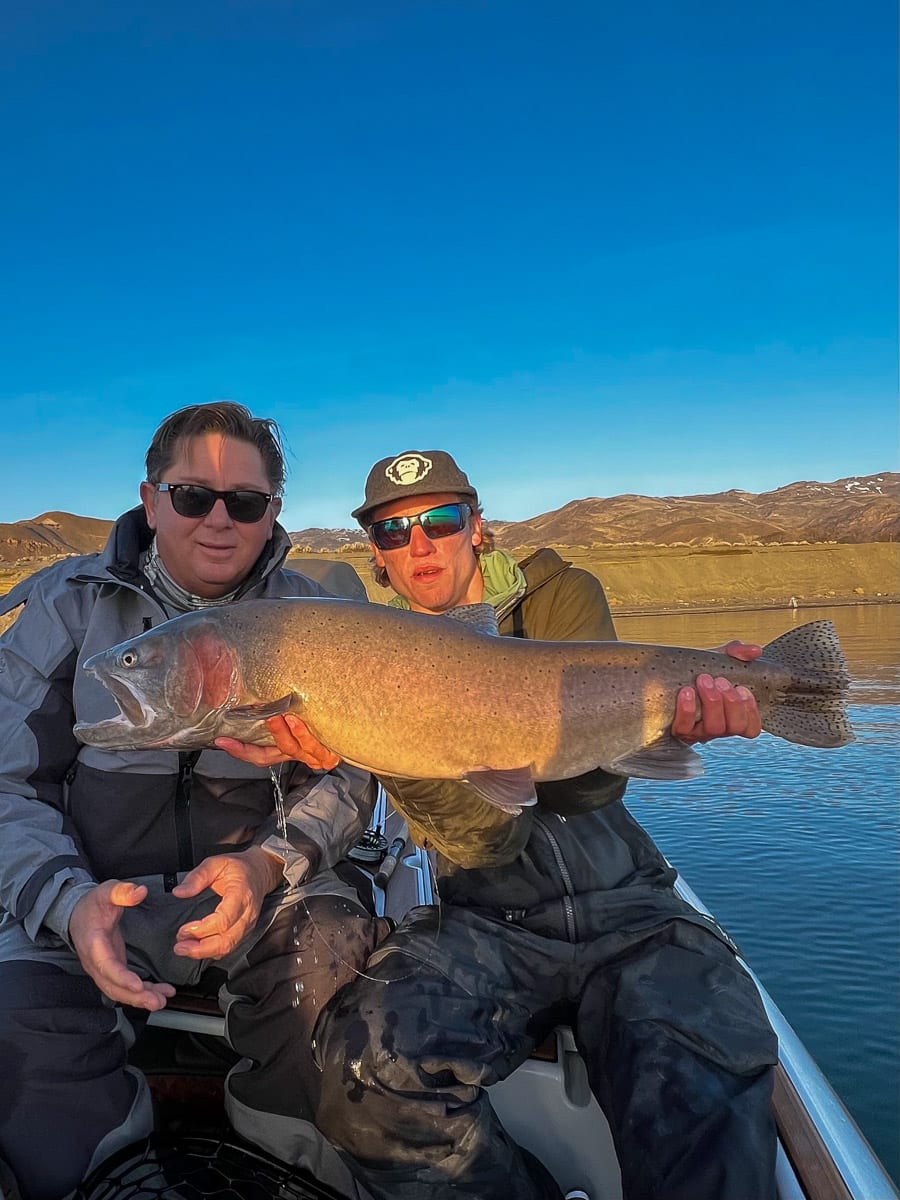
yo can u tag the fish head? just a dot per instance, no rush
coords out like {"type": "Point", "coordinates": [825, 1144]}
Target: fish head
{"type": "Point", "coordinates": [171, 685]}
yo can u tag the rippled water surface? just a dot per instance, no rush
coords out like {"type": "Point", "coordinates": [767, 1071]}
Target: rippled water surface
{"type": "Point", "coordinates": [796, 852]}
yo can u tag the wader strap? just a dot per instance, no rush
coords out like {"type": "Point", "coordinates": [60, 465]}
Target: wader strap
{"type": "Point", "coordinates": [518, 629]}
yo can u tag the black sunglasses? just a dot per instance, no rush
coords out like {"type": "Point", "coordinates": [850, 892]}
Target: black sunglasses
{"type": "Point", "coordinates": [194, 500]}
{"type": "Point", "coordinates": [394, 532]}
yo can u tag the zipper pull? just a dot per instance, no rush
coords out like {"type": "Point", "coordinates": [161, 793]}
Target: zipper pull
{"type": "Point", "coordinates": [187, 760]}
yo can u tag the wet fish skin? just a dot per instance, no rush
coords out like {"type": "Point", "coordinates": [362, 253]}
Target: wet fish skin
{"type": "Point", "coordinates": [402, 693]}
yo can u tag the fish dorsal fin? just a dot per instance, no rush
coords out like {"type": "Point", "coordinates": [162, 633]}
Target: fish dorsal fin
{"type": "Point", "coordinates": [262, 711]}
{"type": "Point", "coordinates": [666, 758]}
{"type": "Point", "coordinates": [482, 617]}
{"type": "Point", "coordinates": [510, 790]}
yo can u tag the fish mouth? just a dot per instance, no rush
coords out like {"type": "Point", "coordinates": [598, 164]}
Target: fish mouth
{"type": "Point", "coordinates": [117, 732]}
{"type": "Point", "coordinates": [130, 707]}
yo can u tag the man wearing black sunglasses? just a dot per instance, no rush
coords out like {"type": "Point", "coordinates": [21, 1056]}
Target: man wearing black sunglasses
{"type": "Point", "coordinates": [564, 914]}
{"type": "Point", "coordinates": [125, 874]}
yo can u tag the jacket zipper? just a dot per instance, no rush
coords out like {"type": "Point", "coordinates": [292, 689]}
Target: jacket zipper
{"type": "Point", "coordinates": [184, 834]}
{"type": "Point", "coordinates": [568, 905]}
{"type": "Point", "coordinates": [67, 788]}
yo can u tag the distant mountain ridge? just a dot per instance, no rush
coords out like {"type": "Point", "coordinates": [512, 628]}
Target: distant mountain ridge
{"type": "Point", "coordinates": [858, 508]}
{"type": "Point", "coordinates": [854, 509]}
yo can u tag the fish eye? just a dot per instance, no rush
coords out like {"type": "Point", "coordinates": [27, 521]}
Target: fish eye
{"type": "Point", "coordinates": [129, 658]}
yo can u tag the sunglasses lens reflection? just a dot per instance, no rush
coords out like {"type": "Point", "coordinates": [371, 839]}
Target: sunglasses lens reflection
{"type": "Point", "coordinates": [394, 533]}
{"type": "Point", "coordinates": [442, 522]}
{"type": "Point", "coordinates": [391, 534]}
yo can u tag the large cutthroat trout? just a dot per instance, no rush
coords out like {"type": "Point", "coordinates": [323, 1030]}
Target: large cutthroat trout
{"type": "Point", "coordinates": [401, 693]}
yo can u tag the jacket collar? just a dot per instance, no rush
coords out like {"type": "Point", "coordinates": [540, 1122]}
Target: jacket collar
{"type": "Point", "coordinates": [130, 536]}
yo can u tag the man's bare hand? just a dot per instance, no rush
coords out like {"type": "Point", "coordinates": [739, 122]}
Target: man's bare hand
{"type": "Point", "coordinates": [94, 930]}
{"type": "Point", "coordinates": [293, 743]}
{"type": "Point", "coordinates": [715, 708]}
{"type": "Point", "coordinates": [243, 881]}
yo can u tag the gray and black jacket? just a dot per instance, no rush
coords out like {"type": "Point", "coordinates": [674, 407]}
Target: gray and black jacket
{"type": "Point", "coordinates": [73, 815]}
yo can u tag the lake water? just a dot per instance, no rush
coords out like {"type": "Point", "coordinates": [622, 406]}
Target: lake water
{"type": "Point", "coordinates": [795, 850]}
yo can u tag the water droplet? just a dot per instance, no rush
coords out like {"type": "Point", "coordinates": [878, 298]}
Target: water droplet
{"type": "Point", "coordinates": [279, 802]}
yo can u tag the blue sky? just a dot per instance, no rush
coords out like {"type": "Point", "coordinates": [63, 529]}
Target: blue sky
{"type": "Point", "coordinates": [588, 248]}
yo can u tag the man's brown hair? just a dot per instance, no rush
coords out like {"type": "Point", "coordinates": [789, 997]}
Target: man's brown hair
{"type": "Point", "coordinates": [225, 417]}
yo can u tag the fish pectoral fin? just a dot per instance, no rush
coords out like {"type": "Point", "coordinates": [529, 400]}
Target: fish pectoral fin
{"type": "Point", "coordinates": [261, 712]}
{"type": "Point", "coordinates": [510, 790]}
{"type": "Point", "coordinates": [666, 758]}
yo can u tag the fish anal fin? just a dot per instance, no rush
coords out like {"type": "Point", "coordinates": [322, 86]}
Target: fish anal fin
{"type": "Point", "coordinates": [264, 710]}
{"type": "Point", "coordinates": [510, 790]}
{"type": "Point", "coordinates": [666, 758]}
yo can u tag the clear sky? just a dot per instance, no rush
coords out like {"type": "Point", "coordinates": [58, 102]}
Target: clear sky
{"type": "Point", "coordinates": [589, 248]}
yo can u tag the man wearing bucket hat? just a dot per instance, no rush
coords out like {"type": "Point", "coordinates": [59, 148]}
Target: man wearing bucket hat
{"type": "Point", "coordinates": [564, 914]}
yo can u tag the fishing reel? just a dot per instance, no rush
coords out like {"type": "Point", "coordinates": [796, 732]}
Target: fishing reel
{"type": "Point", "coordinates": [371, 848]}
{"type": "Point", "coordinates": [195, 1166]}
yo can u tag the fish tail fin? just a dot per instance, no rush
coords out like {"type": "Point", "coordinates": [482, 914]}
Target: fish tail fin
{"type": "Point", "coordinates": [812, 711]}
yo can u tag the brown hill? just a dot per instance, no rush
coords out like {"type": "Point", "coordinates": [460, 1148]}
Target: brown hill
{"type": "Point", "coordinates": [51, 535]}
{"type": "Point", "coordinates": [856, 509]}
